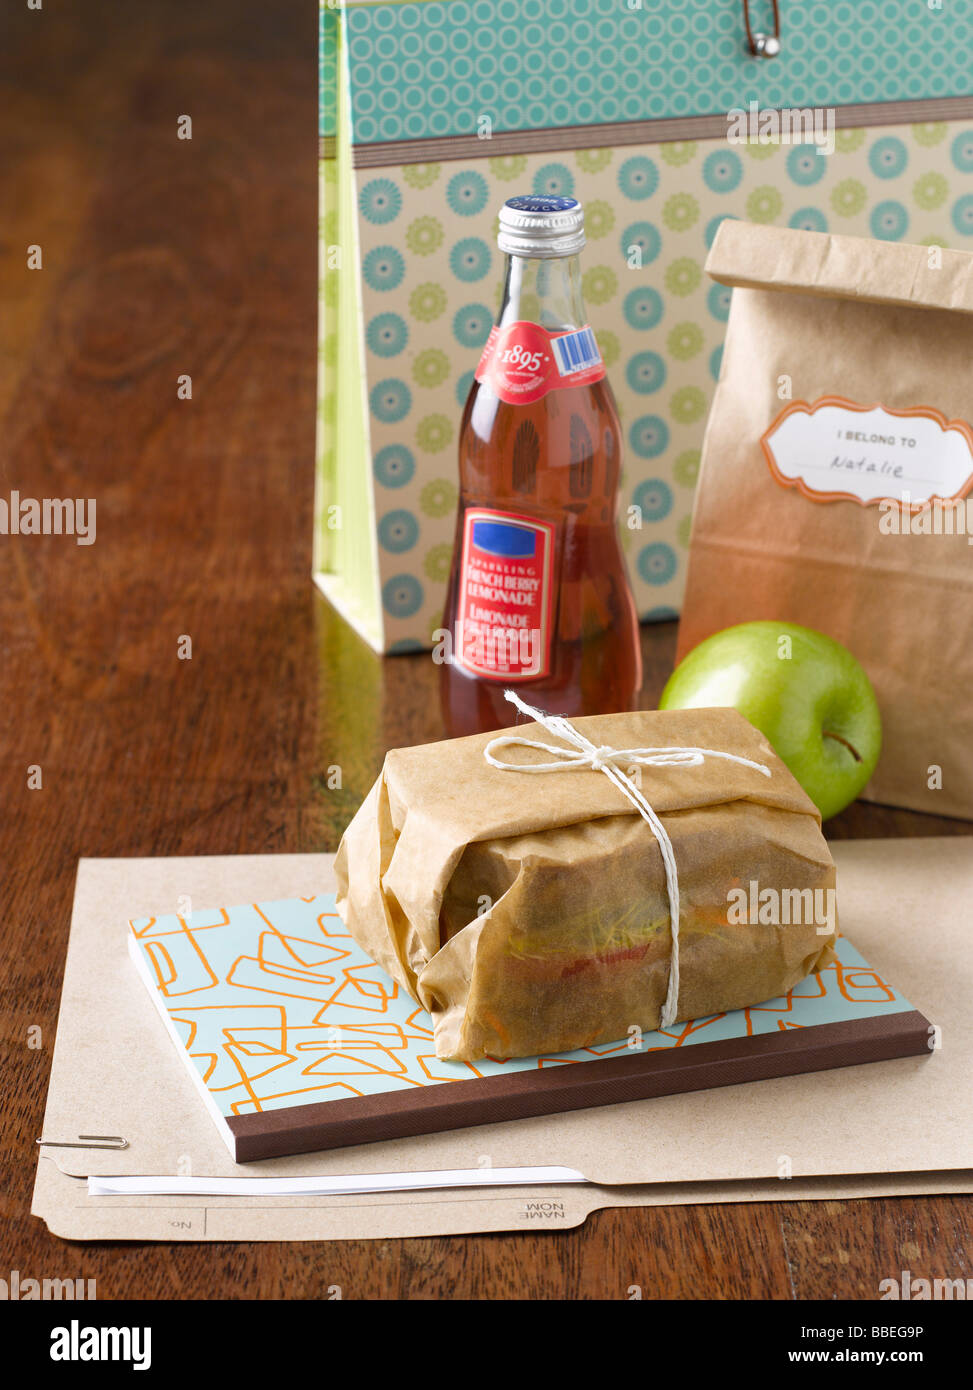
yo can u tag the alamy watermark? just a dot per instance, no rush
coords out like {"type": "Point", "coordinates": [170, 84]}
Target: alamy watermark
{"type": "Point", "coordinates": [23, 1288]}
{"type": "Point", "coordinates": [903, 517]}
{"type": "Point", "coordinates": [920, 1290]}
{"type": "Point", "coordinates": [806, 125]}
{"type": "Point", "coordinates": [49, 516]}
{"type": "Point", "coordinates": [489, 647]}
{"type": "Point", "coordinates": [782, 907]}
{"type": "Point", "coordinates": [82, 1343]}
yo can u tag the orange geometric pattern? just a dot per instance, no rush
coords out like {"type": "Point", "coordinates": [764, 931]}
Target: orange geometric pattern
{"type": "Point", "coordinates": [275, 1005]}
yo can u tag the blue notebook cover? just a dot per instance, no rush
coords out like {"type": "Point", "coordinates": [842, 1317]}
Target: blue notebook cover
{"type": "Point", "coordinates": [297, 1040]}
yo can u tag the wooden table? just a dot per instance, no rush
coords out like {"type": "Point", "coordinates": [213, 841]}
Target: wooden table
{"type": "Point", "coordinates": [163, 257]}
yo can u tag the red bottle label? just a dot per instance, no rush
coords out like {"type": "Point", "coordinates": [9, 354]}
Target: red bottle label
{"type": "Point", "coordinates": [522, 361]}
{"type": "Point", "coordinates": [506, 596]}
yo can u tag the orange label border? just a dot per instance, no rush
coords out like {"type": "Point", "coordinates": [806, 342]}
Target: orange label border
{"type": "Point", "coordinates": [928, 412]}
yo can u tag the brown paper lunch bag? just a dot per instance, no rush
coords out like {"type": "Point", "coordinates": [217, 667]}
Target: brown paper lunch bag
{"type": "Point", "coordinates": [833, 484]}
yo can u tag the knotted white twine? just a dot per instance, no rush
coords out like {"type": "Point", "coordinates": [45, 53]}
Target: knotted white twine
{"type": "Point", "coordinates": [607, 760]}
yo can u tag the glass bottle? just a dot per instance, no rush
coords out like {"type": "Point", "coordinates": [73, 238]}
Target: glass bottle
{"type": "Point", "coordinates": [538, 597]}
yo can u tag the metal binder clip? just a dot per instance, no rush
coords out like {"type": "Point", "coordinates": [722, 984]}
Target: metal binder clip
{"type": "Point", "coordinates": [87, 1141]}
{"type": "Point", "coordinates": [766, 45]}
{"type": "Point", "coordinates": [763, 45]}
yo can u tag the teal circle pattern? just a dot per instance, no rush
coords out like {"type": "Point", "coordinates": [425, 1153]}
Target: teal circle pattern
{"type": "Point", "coordinates": [638, 177]}
{"type": "Point", "coordinates": [390, 400]}
{"type": "Point", "coordinates": [383, 268]}
{"type": "Point", "coordinates": [713, 226]}
{"type": "Point", "coordinates": [859, 183]}
{"type": "Point", "coordinates": [464, 386]}
{"type": "Point", "coordinates": [472, 324]}
{"type": "Point", "coordinates": [654, 499]}
{"type": "Point", "coordinates": [657, 563]}
{"type": "Point", "coordinates": [963, 215]}
{"type": "Point", "coordinates": [722, 171]}
{"type": "Point", "coordinates": [470, 259]}
{"type": "Point", "coordinates": [435, 69]}
{"type": "Point", "coordinates": [646, 372]}
{"type": "Point", "coordinates": [402, 596]}
{"type": "Point", "coordinates": [380, 201]}
{"type": "Point", "coordinates": [718, 302]}
{"type": "Point", "coordinates": [889, 221]}
{"type": "Point", "coordinates": [649, 436]}
{"type": "Point", "coordinates": [961, 151]}
{"type": "Point", "coordinates": [394, 466]}
{"type": "Point", "coordinates": [643, 308]}
{"type": "Point", "coordinates": [645, 236]}
{"type": "Point", "coordinates": [806, 165]}
{"type": "Point", "coordinates": [554, 180]}
{"type": "Point", "coordinates": [398, 531]}
{"type": "Point", "coordinates": [808, 220]}
{"type": "Point", "coordinates": [467, 193]}
{"type": "Point", "coordinates": [888, 157]}
{"type": "Point", "coordinates": [387, 335]}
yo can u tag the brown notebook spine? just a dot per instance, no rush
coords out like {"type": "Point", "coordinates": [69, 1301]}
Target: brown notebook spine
{"type": "Point", "coordinates": [576, 1086]}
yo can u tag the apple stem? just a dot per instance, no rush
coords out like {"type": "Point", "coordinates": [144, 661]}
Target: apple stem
{"type": "Point", "coordinates": [851, 748]}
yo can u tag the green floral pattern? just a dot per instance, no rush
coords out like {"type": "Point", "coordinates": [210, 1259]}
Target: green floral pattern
{"type": "Point", "coordinates": [660, 324]}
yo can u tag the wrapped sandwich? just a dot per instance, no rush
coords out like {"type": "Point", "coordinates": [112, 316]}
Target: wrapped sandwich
{"type": "Point", "coordinates": [522, 897]}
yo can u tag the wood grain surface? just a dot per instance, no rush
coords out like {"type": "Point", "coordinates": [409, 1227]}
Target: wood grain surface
{"type": "Point", "coordinates": [163, 257]}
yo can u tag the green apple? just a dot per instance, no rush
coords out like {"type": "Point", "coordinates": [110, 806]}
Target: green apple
{"type": "Point", "coordinates": [804, 691]}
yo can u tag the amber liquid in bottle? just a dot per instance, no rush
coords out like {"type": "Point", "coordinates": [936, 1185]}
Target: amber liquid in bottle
{"type": "Point", "coordinates": [556, 459]}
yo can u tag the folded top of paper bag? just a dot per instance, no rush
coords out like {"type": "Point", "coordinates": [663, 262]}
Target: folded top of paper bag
{"type": "Point", "coordinates": [842, 267]}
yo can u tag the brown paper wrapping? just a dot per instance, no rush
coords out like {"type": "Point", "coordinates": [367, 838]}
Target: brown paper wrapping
{"type": "Point", "coordinates": [871, 322]}
{"type": "Point", "coordinates": [528, 913]}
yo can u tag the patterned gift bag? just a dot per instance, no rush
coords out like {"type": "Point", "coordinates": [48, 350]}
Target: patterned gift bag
{"type": "Point", "coordinates": [662, 121]}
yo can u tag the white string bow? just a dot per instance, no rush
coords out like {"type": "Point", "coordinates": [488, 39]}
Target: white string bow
{"type": "Point", "coordinates": [585, 754]}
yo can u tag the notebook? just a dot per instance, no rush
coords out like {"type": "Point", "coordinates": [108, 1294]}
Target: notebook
{"type": "Point", "coordinates": [297, 1041]}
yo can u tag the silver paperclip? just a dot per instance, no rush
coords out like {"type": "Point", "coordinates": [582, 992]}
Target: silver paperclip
{"type": "Point", "coordinates": [87, 1141]}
